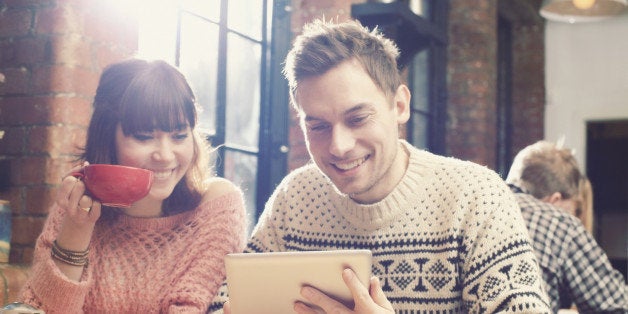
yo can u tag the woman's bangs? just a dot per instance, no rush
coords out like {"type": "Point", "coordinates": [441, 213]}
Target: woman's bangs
{"type": "Point", "coordinates": [153, 108]}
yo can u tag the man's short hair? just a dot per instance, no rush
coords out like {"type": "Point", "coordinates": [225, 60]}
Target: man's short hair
{"type": "Point", "coordinates": [544, 168]}
{"type": "Point", "coordinates": [324, 45]}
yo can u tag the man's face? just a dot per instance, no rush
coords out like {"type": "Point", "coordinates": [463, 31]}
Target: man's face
{"type": "Point", "coordinates": [351, 130]}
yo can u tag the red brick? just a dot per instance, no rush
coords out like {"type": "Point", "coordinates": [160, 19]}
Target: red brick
{"type": "Point", "coordinates": [106, 56]}
{"type": "Point", "coordinates": [14, 196]}
{"type": "Point", "coordinates": [71, 50]}
{"type": "Point", "coordinates": [60, 19]}
{"type": "Point", "coordinates": [22, 111]}
{"type": "Point", "coordinates": [64, 79]}
{"type": "Point", "coordinates": [27, 255]}
{"type": "Point", "coordinates": [55, 140]}
{"type": "Point", "coordinates": [12, 143]}
{"type": "Point", "coordinates": [25, 230]}
{"type": "Point", "coordinates": [16, 255]}
{"type": "Point", "coordinates": [26, 50]}
{"type": "Point", "coordinates": [69, 110]}
{"type": "Point", "coordinates": [28, 170]}
{"type": "Point", "coordinates": [39, 199]}
{"type": "Point", "coordinates": [28, 3]}
{"type": "Point", "coordinates": [16, 81]}
{"type": "Point", "coordinates": [57, 168]}
{"type": "Point", "coordinates": [15, 22]}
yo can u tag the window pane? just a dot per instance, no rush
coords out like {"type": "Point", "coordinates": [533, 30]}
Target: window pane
{"type": "Point", "coordinates": [241, 169]}
{"type": "Point", "coordinates": [157, 31]}
{"type": "Point", "coordinates": [246, 16]}
{"type": "Point", "coordinates": [243, 92]}
{"type": "Point", "coordinates": [198, 61]}
{"type": "Point", "coordinates": [209, 9]}
{"type": "Point", "coordinates": [420, 82]}
{"type": "Point", "coordinates": [420, 130]}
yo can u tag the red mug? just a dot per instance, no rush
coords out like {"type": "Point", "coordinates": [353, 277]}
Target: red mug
{"type": "Point", "coordinates": [115, 185]}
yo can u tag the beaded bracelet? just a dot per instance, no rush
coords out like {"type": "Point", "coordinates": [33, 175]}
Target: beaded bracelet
{"type": "Point", "coordinates": [74, 258]}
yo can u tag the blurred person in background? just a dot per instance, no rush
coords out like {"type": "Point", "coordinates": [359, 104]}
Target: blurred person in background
{"type": "Point", "coordinates": [551, 191]}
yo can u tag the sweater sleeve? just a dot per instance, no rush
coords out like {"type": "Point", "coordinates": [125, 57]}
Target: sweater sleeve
{"type": "Point", "coordinates": [219, 231]}
{"type": "Point", "coordinates": [47, 288]}
{"type": "Point", "coordinates": [501, 273]}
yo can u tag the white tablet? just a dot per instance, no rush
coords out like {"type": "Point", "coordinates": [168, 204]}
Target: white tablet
{"type": "Point", "coordinates": [271, 282]}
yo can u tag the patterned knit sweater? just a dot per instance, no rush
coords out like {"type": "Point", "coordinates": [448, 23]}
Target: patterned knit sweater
{"type": "Point", "coordinates": [170, 264]}
{"type": "Point", "coordinates": [449, 239]}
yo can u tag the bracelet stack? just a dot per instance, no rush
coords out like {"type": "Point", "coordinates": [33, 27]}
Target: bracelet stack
{"type": "Point", "coordinates": [74, 258]}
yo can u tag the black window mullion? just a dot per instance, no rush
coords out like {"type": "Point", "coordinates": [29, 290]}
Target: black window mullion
{"type": "Point", "coordinates": [221, 91]}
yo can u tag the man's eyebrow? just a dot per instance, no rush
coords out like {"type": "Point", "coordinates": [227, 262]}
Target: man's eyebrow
{"type": "Point", "coordinates": [357, 107]}
{"type": "Point", "coordinates": [349, 111]}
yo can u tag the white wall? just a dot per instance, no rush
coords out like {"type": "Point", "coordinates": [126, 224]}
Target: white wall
{"type": "Point", "coordinates": [586, 76]}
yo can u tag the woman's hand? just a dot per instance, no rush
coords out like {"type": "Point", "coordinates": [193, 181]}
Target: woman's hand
{"type": "Point", "coordinates": [372, 300]}
{"type": "Point", "coordinates": [80, 209]}
{"type": "Point", "coordinates": [81, 214]}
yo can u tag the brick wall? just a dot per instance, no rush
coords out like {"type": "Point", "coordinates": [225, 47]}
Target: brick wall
{"type": "Point", "coordinates": [472, 80]}
{"type": "Point", "coordinates": [52, 52]}
{"type": "Point", "coordinates": [472, 77]}
{"type": "Point", "coordinates": [471, 126]}
{"type": "Point", "coordinates": [51, 55]}
{"type": "Point", "coordinates": [528, 95]}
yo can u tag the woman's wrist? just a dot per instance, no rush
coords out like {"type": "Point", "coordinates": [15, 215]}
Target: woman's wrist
{"type": "Point", "coordinates": [70, 257]}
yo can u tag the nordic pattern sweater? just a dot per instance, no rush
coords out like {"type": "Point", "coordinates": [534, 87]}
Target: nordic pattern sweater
{"type": "Point", "coordinates": [449, 239]}
{"type": "Point", "coordinates": [171, 264]}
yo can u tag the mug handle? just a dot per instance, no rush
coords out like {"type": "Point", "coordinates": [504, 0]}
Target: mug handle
{"type": "Point", "coordinates": [78, 174]}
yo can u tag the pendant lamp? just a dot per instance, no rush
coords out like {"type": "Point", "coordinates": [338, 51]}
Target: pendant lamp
{"type": "Point", "coordinates": [574, 11]}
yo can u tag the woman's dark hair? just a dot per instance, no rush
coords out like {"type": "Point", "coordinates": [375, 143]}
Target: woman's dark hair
{"type": "Point", "coordinates": [143, 96]}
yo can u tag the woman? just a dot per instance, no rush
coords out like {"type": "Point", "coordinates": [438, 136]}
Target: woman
{"type": "Point", "coordinates": [164, 254]}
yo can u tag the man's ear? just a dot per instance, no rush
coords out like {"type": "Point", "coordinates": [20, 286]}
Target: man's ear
{"type": "Point", "coordinates": [553, 198]}
{"type": "Point", "coordinates": [402, 104]}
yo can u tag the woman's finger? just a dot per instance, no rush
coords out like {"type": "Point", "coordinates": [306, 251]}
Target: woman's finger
{"type": "Point", "coordinates": [85, 203]}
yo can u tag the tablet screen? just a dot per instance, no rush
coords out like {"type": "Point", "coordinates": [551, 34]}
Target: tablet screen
{"type": "Point", "coordinates": [271, 282]}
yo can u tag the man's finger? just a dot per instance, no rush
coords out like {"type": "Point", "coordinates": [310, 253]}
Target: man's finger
{"type": "Point", "coordinates": [226, 308]}
{"type": "Point", "coordinates": [318, 298]}
{"type": "Point", "coordinates": [377, 294]}
{"type": "Point", "coordinates": [359, 292]}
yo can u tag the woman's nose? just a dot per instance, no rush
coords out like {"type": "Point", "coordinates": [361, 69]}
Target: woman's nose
{"type": "Point", "coordinates": [163, 150]}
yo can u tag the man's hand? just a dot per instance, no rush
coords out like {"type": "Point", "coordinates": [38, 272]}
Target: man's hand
{"type": "Point", "coordinates": [369, 301]}
{"type": "Point", "coordinates": [226, 308]}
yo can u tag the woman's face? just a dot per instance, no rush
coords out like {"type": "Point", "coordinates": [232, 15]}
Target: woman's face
{"type": "Point", "coordinates": [167, 154]}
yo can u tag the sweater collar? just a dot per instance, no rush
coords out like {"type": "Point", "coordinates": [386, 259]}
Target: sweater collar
{"type": "Point", "coordinates": [404, 196]}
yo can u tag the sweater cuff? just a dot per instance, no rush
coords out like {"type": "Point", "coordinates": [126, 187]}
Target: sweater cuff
{"type": "Point", "coordinates": [53, 287]}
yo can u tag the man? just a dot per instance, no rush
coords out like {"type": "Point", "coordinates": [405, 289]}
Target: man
{"type": "Point", "coordinates": [546, 181]}
{"type": "Point", "coordinates": [446, 235]}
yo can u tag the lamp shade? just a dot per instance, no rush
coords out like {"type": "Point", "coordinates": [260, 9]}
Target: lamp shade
{"type": "Point", "coordinates": [574, 11]}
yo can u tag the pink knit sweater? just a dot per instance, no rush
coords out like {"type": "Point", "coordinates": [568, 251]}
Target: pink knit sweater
{"type": "Point", "coordinates": [142, 265]}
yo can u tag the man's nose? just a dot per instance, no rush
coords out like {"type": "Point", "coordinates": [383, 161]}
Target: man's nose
{"type": "Point", "coordinates": [342, 141]}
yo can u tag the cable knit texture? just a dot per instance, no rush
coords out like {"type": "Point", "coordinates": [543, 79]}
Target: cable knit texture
{"type": "Point", "coordinates": [171, 264]}
{"type": "Point", "coordinates": [449, 239]}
